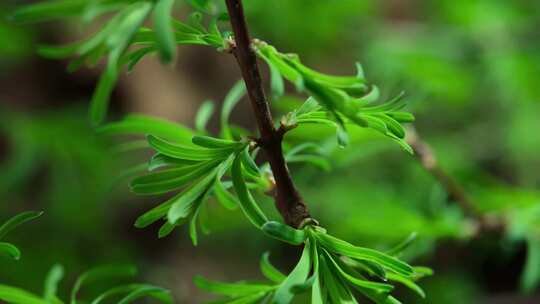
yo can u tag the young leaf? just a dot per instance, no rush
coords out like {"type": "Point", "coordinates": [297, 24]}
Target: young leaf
{"type": "Point", "coordinates": [226, 199]}
{"type": "Point", "coordinates": [230, 101]}
{"type": "Point", "coordinates": [146, 290]}
{"type": "Point", "coordinates": [159, 161]}
{"type": "Point", "coordinates": [249, 163]}
{"type": "Point", "coordinates": [203, 115]}
{"type": "Point", "coordinates": [337, 291]}
{"type": "Point", "coordinates": [98, 274]}
{"type": "Point", "coordinates": [138, 124]}
{"type": "Point", "coordinates": [230, 289]}
{"type": "Point", "coordinates": [276, 82]}
{"type": "Point", "coordinates": [409, 283]}
{"type": "Point", "coordinates": [298, 275]}
{"type": "Point", "coordinates": [247, 203]}
{"type": "Point", "coordinates": [14, 295]}
{"type": "Point", "coordinates": [156, 213]}
{"type": "Point", "coordinates": [118, 42]}
{"type": "Point", "coordinates": [156, 292]}
{"type": "Point", "coordinates": [10, 251]}
{"type": "Point", "coordinates": [341, 247]}
{"type": "Point", "coordinates": [164, 30]}
{"type": "Point", "coordinates": [531, 273]}
{"type": "Point", "coordinates": [43, 11]}
{"type": "Point", "coordinates": [187, 153]}
{"type": "Point", "coordinates": [359, 282]}
{"type": "Point", "coordinates": [403, 245]}
{"type": "Point", "coordinates": [269, 271]}
{"type": "Point", "coordinates": [216, 143]}
{"type": "Point", "coordinates": [54, 277]}
{"type": "Point", "coordinates": [316, 289]}
{"type": "Point", "coordinates": [284, 233]}
{"type": "Point", "coordinates": [17, 220]}
{"type": "Point", "coordinates": [185, 204]}
{"type": "Point", "coordinates": [167, 180]}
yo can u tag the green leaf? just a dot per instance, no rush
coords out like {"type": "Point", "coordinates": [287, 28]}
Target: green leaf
{"type": "Point", "coordinates": [17, 220]}
{"type": "Point", "coordinates": [148, 291]}
{"type": "Point", "coordinates": [216, 143]}
{"type": "Point", "coordinates": [167, 228]}
{"type": "Point", "coordinates": [269, 271]}
{"type": "Point", "coordinates": [185, 205]}
{"type": "Point", "coordinates": [370, 267]}
{"type": "Point", "coordinates": [359, 282]}
{"type": "Point", "coordinates": [276, 82]}
{"type": "Point", "coordinates": [203, 115]}
{"type": "Point", "coordinates": [249, 299]}
{"type": "Point", "coordinates": [403, 245]}
{"type": "Point", "coordinates": [284, 233]}
{"type": "Point", "coordinates": [531, 273]}
{"type": "Point", "coordinates": [226, 199]}
{"type": "Point", "coordinates": [308, 106]}
{"type": "Point", "coordinates": [298, 275]}
{"type": "Point", "coordinates": [230, 101]}
{"type": "Point", "coordinates": [247, 203]}
{"type": "Point", "coordinates": [344, 248]}
{"type": "Point", "coordinates": [159, 161]}
{"type": "Point", "coordinates": [187, 153]}
{"type": "Point", "coordinates": [164, 31]}
{"type": "Point", "coordinates": [105, 86]}
{"type": "Point", "coordinates": [138, 124]}
{"type": "Point", "coordinates": [118, 42]}
{"type": "Point", "coordinates": [10, 251]}
{"type": "Point", "coordinates": [48, 10]}
{"type": "Point", "coordinates": [248, 163]}
{"type": "Point", "coordinates": [134, 289]}
{"type": "Point", "coordinates": [195, 219]}
{"type": "Point", "coordinates": [14, 295]}
{"type": "Point", "coordinates": [134, 57]}
{"type": "Point", "coordinates": [403, 117]}
{"type": "Point", "coordinates": [316, 289]}
{"type": "Point", "coordinates": [337, 291]}
{"type": "Point", "coordinates": [408, 283]}
{"type": "Point", "coordinates": [52, 280]}
{"type": "Point", "coordinates": [99, 274]}
{"type": "Point", "coordinates": [230, 289]}
{"type": "Point", "coordinates": [156, 213]}
{"type": "Point", "coordinates": [171, 179]}
{"type": "Point", "coordinates": [316, 160]}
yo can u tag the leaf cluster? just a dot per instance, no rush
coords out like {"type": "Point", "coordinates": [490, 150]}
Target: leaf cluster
{"type": "Point", "coordinates": [122, 294]}
{"type": "Point", "coordinates": [123, 40]}
{"type": "Point", "coordinates": [333, 270]}
{"type": "Point", "coordinates": [336, 100]}
{"type": "Point", "coordinates": [195, 168]}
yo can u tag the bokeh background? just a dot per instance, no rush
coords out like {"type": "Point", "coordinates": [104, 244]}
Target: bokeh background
{"type": "Point", "coordinates": [471, 73]}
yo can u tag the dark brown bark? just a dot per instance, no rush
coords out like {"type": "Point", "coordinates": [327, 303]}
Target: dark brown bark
{"type": "Point", "coordinates": [288, 201]}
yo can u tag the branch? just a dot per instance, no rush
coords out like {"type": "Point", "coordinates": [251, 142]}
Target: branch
{"type": "Point", "coordinates": [288, 201]}
{"type": "Point", "coordinates": [424, 154]}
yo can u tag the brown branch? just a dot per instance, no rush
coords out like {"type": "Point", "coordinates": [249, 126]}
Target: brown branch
{"type": "Point", "coordinates": [288, 201]}
{"type": "Point", "coordinates": [424, 154]}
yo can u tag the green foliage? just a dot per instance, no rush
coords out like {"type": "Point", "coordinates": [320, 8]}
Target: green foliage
{"type": "Point", "coordinates": [123, 40]}
{"type": "Point", "coordinates": [329, 267]}
{"type": "Point", "coordinates": [199, 169]}
{"type": "Point", "coordinates": [343, 99]}
{"type": "Point", "coordinates": [7, 249]}
{"type": "Point", "coordinates": [193, 165]}
{"type": "Point", "coordinates": [122, 294]}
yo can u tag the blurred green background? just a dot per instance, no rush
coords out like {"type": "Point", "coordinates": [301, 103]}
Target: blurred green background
{"type": "Point", "coordinates": [471, 73]}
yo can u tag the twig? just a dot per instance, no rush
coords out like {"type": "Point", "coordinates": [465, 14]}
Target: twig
{"type": "Point", "coordinates": [424, 154]}
{"type": "Point", "coordinates": [288, 200]}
